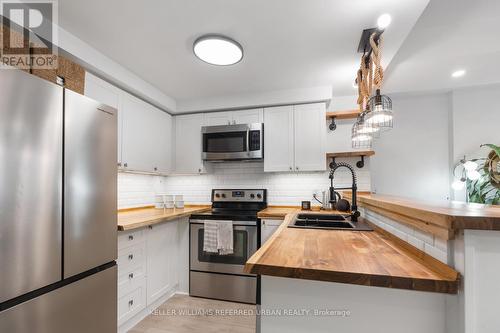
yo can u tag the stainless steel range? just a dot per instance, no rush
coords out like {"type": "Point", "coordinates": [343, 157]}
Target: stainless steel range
{"type": "Point", "coordinates": [221, 276]}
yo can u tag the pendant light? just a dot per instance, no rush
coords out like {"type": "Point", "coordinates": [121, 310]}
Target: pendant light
{"type": "Point", "coordinates": [362, 133]}
{"type": "Point", "coordinates": [381, 111]}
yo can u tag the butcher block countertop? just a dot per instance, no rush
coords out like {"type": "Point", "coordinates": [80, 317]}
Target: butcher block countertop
{"type": "Point", "coordinates": [453, 215]}
{"type": "Point", "coordinates": [280, 212]}
{"type": "Point", "coordinates": [370, 258]}
{"type": "Point", "coordinates": [134, 218]}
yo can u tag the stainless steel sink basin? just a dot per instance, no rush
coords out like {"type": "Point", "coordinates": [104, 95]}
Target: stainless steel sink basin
{"type": "Point", "coordinates": [328, 221]}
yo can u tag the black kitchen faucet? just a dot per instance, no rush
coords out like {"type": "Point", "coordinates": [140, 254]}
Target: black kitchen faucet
{"type": "Point", "coordinates": [354, 188]}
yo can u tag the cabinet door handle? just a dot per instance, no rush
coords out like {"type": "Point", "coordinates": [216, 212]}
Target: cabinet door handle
{"type": "Point", "coordinates": [125, 165]}
{"type": "Point", "coordinates": [297, 168]}
{"type": "Point", "coordinates": [150, 227]}
{"type": "Point", "coordinates": [199, 170]}
{"type": "Point", "coordinates": [131, 237]}
{"type": "Point", "coordinates": [234, 122]}
{"type": "Point", "coordinates": [130, 256]}
{"type": "Point", "coordinates": [131, 302]}
{"type": "Point", "coordinates": [155, 168]}
{"type": "Point", "coordinates": [291, 168]}
{"type": "Point", "coordinates": [119, 164]}
{"type": "Point", "coordinates": [131, 276]}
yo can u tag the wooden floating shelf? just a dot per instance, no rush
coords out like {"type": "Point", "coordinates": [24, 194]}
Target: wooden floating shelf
{"type": "Point", "coordinates": [361, 153]}
{"type": "Point", "coordinates": [365, 153]}
{"type": "Point", "coordinates": [345, 114]}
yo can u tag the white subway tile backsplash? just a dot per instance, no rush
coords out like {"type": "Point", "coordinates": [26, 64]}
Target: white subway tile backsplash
{"type": "Point", "coordinates": [283, 188]}
{"type": "Point", "coordinates": [423, 241]}
{"type": "Point", "coordinates": [424, 236]}
{"type": "Point", "coordinates": [436, 253]}
{"type": "Point", "coordinates": [135, 190]}
{"type": "Point", "coordinates": [419, 244]}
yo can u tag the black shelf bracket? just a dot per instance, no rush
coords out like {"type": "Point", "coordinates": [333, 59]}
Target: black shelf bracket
{"type": "Point", "coordinates": [360, 164]}
{"type": "Point", "coordinates": [333, 125]}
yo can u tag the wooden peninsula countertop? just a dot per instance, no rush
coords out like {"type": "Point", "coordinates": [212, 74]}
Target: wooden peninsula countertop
{"type": "Point", "coordinates": [370, 258]}
{"type": "Point", "coordinates": [134, 218]}
{"type": "Point", "coordinates": [443, 219]}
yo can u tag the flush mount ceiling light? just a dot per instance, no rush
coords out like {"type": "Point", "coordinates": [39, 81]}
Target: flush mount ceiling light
{"type": "Point", "coordinates": [458, 73]}
{"type": "Point", "coordinates": [218, 50]}
{"type": "Point", "coordinates": [383, 21]}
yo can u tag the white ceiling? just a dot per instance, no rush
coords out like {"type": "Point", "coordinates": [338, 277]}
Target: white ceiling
{"type": "Point", "coordinates": [288, 44]}
{"type": "Point", "coordinates": [450, 35]}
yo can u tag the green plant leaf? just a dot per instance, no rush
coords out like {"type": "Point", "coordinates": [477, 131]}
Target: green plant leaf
{"type": "Point", "coordinates": [495, 148]}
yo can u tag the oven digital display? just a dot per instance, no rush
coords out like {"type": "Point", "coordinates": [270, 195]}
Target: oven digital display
{"type": "Point", "coordinates": [238, 194]}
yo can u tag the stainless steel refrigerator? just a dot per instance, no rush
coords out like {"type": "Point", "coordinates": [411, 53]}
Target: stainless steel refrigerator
{"type": "Point", "coordinates": [58, 233]}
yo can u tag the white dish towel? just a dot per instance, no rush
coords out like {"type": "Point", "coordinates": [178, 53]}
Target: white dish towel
{"type": "Point", "coordinates": [218, 237]}
{"type": "Point", "coordinates": [210, 236]}
{"type": "Point", "coordinates": [225, 237]}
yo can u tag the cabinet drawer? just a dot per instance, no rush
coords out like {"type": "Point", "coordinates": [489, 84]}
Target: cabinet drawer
{"type": "Point", "coordinates": [131, 256]}
{"type": "Point", "coordinates": [128, 238]}
{"type": "Point", "coordinates": [131, 303]}
{"type": "Point", "coordinates": [130, 279]}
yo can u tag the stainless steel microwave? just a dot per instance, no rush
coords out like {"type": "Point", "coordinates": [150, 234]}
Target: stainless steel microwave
{"type": "Point", "coordinates": [233, 142]}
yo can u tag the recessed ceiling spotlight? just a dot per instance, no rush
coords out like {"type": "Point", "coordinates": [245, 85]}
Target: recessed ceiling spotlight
{"type": "Point", "coordinates": [383, 21]}
{"type": "Point", "coordinates": [218, 50]}
{"type": "Point", "coordinates": [458, 73]}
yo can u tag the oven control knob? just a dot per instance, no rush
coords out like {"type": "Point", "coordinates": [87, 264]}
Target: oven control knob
{"type": "Point", "coordinates": [259, 195]}
{"type": "Point", "coordinates": [217, 195]}
{"type": "Point", "coordinates": [252, 196]}
{"type": "Point", "coordinates": [223, 195]}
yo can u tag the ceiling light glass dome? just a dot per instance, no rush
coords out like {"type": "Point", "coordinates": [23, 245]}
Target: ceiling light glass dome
{"type": "Point", "coordinates": [218, 50]}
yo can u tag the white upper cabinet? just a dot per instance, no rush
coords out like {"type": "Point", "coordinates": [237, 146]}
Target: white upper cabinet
{"type": "Point", "coordinates": [234, 117]}
{"type": "Point", "coordinates": [295, 138]}
{"type": "Point", "coordinates": [310, 137]}
{"type": "Point", "coordinates": [106, 93]}
{"type": "Point", "coordinates": [146, 137]}
{"type": "Point", "coordinates": [144, 132]}
{"type": "Point", "coordinates": [218, 118]}
{"type": "Point", "coordinates": [248, 116]}
{"type": "Point", "coordinates": [139, 138]}
{"type": "Point", "coordinates": [278, 139]}
{"type": "Point", "coordinates": [163, 146]}
{"type": "Point", "coordinates": [188, 144]}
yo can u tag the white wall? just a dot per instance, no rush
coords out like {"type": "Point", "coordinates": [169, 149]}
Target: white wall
{"type": "Point", "coordinates": [412, 159]}
{"type": "Point", "coordinates": [431, 133]}
{"type": "Point", "coordinates": [476, 119]}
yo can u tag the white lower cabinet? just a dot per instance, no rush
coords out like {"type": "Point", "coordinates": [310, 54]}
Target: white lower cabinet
{"type": "Point", "coordinates": [162, 252]}
{"type": "Point", "coordinates": [148, 267]}
{"type": "Point", "coordinates": [268, 228]}
{"type": "Point", "coordinates": [131, 302]}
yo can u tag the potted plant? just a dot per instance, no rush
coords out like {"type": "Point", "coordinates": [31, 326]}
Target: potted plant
{"type": "Point", "coordinates": [486, 189]}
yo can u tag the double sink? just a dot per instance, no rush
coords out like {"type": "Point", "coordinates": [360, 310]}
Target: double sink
{"type": "Point", "coordinates": [328, 221]}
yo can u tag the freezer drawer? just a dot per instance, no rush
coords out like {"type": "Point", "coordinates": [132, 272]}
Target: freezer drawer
{"type": "Point", "coordinates": [90, 184]}
{"type": "Point", "coordinates": [87, 305]}
{"type": "Point", "coordinates": [31, 130]}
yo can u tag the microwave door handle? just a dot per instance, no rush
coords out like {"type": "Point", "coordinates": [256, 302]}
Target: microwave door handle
{"type": "Point", "coordinates": [248, 140]}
